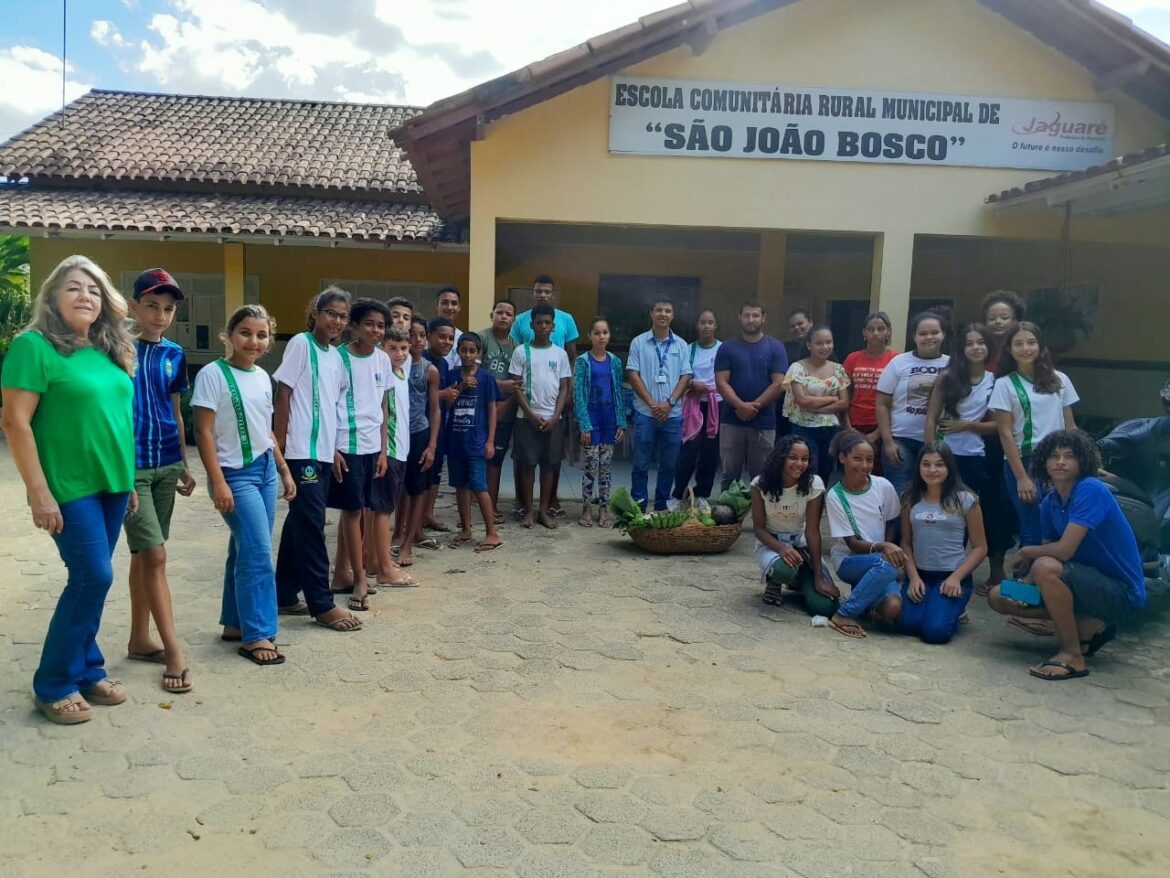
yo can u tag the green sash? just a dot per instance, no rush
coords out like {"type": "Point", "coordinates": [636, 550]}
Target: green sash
{"type": "Point", "coordinates": [1026, 406]}
{"type": "Point", "coordinates": [840, 492]}
{"type": "Point", "coordinates": [350, 407]}
{"type": "Point", "coordinates": [238, 406]}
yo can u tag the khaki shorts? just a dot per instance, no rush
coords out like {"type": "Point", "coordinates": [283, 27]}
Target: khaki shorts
{"type": "Point", "coordinates": [150, 526]}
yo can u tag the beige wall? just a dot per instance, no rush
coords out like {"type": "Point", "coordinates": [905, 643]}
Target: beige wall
{"type": "Point", "coordinates": [289, 276]}
{"type": "Point", "coordinates": [551, 162]}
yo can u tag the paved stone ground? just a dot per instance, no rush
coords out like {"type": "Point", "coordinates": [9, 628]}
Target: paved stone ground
{"type": "Point", "coordinates": [568, 707]}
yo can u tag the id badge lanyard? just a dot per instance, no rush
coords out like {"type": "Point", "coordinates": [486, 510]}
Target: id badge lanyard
{"type": "Point", "coordinates": [663, 354]}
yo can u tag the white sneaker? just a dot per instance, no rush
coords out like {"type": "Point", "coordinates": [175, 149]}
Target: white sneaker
{"type": "Point", "coordinates": [671, 505]}
{"type": "Point", "coordinates": [702, 505]}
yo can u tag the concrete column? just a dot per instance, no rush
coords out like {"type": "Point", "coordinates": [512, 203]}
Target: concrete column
{"type": "Point", "coordinates": [773, 267]}
{"type": "Point", "coordinates": [233, 278]}
{"type": "Point", "coordinates": [893, 263]}
{"type": "Point", "coordinates": [481, 270]}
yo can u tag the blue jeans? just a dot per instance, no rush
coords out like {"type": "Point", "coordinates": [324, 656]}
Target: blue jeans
{"type": "Point", "coordinates": [872, 578]}
{"type": "Point", "coordinates": [818, 440]}
{"type": "Point", "coordinates": [1028, 514]}
{"type": "Point", "coordinates": [659, 440]}
{"type": "Point", "coordinates": [900, 476]}
{"type": "Point", "coordinates": [249, 579]}
{"type": "Point", "coordinates": [936, 617]}
{"type": "Point", "coordinates": [71, 660]}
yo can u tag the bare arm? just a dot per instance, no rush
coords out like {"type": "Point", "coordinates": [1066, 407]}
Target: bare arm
{"type": "Point", "coordinates": [772, 392]}
{"type": "Point", "coordinates": [217, 486]}
{"type": "Point", "coordinates": [525, 408]}
{"type": "Point", "coordinates": [434, 417]}
{"type": "Point", "coordinates": [812, 537]}
{"type": "Point", "coordinates": [639, 388]}
{"type": "Point", "coordinates": [933, 413]}
{"type": "Point", "coordinates": [186, 480]}
{"type": "Point", "coordinates": [1062, 550]}
{"type": "Point", "coordinates": [1069, 422]}
{"type": "Point", "coordinates": [917, 588]}
{"type": "Point", "coordinates": [977, 537]}
{"type": "Point", "coordinates": [19, 408]}
{"type": "Point", "coordinates": [280, 417]}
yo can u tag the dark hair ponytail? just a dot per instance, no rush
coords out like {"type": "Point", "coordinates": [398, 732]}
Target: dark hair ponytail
{"type": "Point", "coordinates": [954, 384]}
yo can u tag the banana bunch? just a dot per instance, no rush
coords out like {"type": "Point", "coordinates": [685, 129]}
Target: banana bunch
{"type": "Point", "coordinates": [668, 520]}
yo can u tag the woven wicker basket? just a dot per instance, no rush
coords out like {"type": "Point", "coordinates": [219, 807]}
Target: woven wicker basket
{"type": "Point", "coordinates": [687, 540]}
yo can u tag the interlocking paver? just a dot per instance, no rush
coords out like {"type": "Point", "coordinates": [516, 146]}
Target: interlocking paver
{"type": "Point", "coordinates": [528, 718]}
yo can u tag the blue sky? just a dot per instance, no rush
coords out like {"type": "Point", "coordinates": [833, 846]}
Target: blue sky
{"type": "Point", "coordinates": [356, 50]}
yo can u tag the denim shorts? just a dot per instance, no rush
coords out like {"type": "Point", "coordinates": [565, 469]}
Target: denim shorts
{"type": "Point", "coordinates": [467, 473]}
{"type": "Point", "coordinates": [1097, 594]}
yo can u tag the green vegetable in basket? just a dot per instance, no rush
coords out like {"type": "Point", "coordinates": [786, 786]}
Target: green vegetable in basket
{"type": "Point", "coordinates": [738, 497]}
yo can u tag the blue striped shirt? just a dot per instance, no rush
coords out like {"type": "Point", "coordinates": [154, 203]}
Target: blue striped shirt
{"type": "Point", "coordinates": [162, 371]}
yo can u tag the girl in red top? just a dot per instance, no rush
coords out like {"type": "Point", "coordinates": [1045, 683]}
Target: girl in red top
{"type": "Point", "coordinates": [864, 368]}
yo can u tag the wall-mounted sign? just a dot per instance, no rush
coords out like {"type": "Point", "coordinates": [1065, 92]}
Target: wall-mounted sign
{"type": "Point", "coordinates": [654, 116]}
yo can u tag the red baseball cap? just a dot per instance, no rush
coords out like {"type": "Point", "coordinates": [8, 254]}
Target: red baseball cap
{"type": "Point", "coordinates": [156, 280]}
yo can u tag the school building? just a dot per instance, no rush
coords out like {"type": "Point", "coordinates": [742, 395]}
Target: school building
{"type": "Point", "coordinates": [837, 155]}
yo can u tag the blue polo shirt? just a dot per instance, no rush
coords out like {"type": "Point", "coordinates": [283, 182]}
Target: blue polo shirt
{"type": "Point", "coordinates": [752, 365]}
{"type": "Point", "coordinates": [659, 364]}
{"type": "Point", "coordinates": [162, 371]}
{"type": "Point", "coordinates": [564, 328]}
{"type": "Point", "coordinates": [1110, 546]}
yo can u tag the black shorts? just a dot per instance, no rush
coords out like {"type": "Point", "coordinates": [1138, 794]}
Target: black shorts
{"type": "Point", "coordinates": [353, 492]}
{"type": "Point", "coordinates": [532, 446]}
{"type": "Point", "coordinates": [385, 491]}
{"type": "Point", "coordinates": [1097, 595]}
{"type": "Point", "coordinates": [414, 480]}
{"type": "Point", "coordinates": [503, 440]}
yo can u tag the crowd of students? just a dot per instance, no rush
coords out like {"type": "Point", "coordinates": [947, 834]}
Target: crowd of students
{"type": "Point", "coordinates": [368, 426]}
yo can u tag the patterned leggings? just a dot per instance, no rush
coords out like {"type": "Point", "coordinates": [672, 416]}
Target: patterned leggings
{"type": "Point", "coordinates": [595, 474]}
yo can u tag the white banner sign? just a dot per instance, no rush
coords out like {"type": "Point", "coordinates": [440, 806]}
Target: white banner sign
{"type": "Point", "coordinates": [653, 116]}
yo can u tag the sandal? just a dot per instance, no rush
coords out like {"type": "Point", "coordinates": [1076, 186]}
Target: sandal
{"type": "Point", "coordinates": [360, 605]}
{"type": "Point", "coordinates": [407, 581]}
{"type": "Point", "coordinates": [58, 711]}
{"type": "Point", "coordinates": [487, 547]}
{"type": "Point", "coordinates": [1071, 673]}
{"type": "Point", "coordinates": [585, 521]}
{"type": "Point", "coordinates": [428, 543]}
{"type": "Point", "coordinates": [158, 657]}
{"type": "Point", "coordinates": [300, 608]}
{"type": "Point", "coordinates": [250, 654]}
{"type": "Point", "coordinates": [458, 541]}
{"type": "Point", "coordinates": [847, 627]}
{"type": "Point", "coordinates": [106, 693]}
{"type": "Point", "coordinates": [342, 623]}
{"type": "Point", "coordinates": [1093, 645]}
{"type": "Point", "coordinates": [183, 685]}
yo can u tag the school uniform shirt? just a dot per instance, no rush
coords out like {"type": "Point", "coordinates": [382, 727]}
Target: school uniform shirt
{"type": "Point", "coordinates": [864, 371]}
{"type": "Point", "coordinates": [564, 328]}
{"type": "Point", "coordinates": [1109, 546]}
{"type": "Point", "coordinates": [813, 386]}
{"type": "Point", "coordinates": [467, 425]}
{"type": "Point", "coordinates": [542, 369]}
{"type": "Point", "coordinates": [1046, 410]}
{"type": "Point", "coordinates": [318, 380]}
{"type": "Point", "coordinates": [786, 516]}
{"type": "Point", "coordinates": [703, 365]}
{"type": "Point", "coordinates": [870, 509]}
{"type": "Point", "coordinates": [162, 372]}
{"type": "Point", "coordinates": [940, 535]}
{"type": "Point", "coordinates": [909, 379]}
{"type": "Point", "coordinates": [221, 391]}
{"type": "Point", "coordinates": [359, 416]}
{"type": "Point", "coordinates": [659, 364]}
{"type": "Point", "coordinates": [971, 407]}
{"type": "Point", "coordinates": [399, 426]}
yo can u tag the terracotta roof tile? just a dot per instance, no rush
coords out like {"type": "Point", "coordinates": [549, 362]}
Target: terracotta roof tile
{"type": "Point", "coordinates": [23, 207]}
{"type": "Point", "coordinates": [1126, 161]}
{"type": "Point", "coordinates": [130, 137]}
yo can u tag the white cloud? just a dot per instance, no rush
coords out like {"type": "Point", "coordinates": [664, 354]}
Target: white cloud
{"type": "Point", "coordinates": [104, 33]}
{"type": "Point", "coordinates": [32, 87]}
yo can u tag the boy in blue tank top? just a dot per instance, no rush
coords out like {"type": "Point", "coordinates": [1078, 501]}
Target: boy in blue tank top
{"type": "Point", "coordinates": [160, 470]}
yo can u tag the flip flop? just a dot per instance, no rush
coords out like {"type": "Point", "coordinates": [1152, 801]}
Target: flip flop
{"type": "Point", "coordinates": [457, 542]}
{"type": "Point", "coordinates": [488, 547]}
{"type": "Point", "coordinates": [440, 527]}
{"type": "Point", "coordinates": [300, 608]}
{"type": "Point", "coordinates": [585, 522]}
{"type": "Point", "coordinates": [394, 550]}
{"type": "Point", "coordinates": [1072, 674]}
{"type": "Point", "coordinates": [250, 655]}
{"type": "Point", "coordinates": [1035, 627]}
{"type": "Point", "coordinates": [55, 711]}
{"type": "Point", "coordinates": [183, 686]}
{"type": "Point", "coordinates": [1093, 645]}
{"type": "Point", "coordinates": [408, 582]}
{"type": "Point", "coordinates": [848, 631]}
{"type": "Point", "coordinates": [339, 625]}
{"type": "Point", "coordinates": [158, 657]}
{"type": "Point", "coordinates": [112, 692]}
{"type": "Point", "coordinates": [359, 605]}
{"type": "Point", "coordinates": [428, 543]}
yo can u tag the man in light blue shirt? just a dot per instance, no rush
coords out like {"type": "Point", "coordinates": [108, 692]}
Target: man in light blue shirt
{"type": "Point", "coordinates": [659, 370]}
{"type": "Point", "coordinates": [565, 332]}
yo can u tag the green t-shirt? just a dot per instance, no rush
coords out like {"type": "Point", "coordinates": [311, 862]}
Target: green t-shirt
{"type": "Point", "coordinates": [84, 422]}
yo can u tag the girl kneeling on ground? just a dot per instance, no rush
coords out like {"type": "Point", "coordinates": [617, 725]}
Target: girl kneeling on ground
{"type": "Point", "coordinates": [862, 512]}
{"type": "Point", "coordinates": [939, 513]}
{"type": "Point", "coordinates": [786, 517]}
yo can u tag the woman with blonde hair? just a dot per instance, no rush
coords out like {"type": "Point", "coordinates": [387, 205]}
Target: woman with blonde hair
{"type": "Point", "coordinates": [67, 414]}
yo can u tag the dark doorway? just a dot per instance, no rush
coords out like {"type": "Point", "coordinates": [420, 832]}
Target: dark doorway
{"type": "Point", "coordinates": [847, 320]}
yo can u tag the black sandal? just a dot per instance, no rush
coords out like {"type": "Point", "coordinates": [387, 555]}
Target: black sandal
{"type": "Point", "coordinates": [250, 654]}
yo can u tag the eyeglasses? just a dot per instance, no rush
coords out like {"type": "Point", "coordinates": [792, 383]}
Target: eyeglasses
{"type": "Point", "coordinates": [334, 315]}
